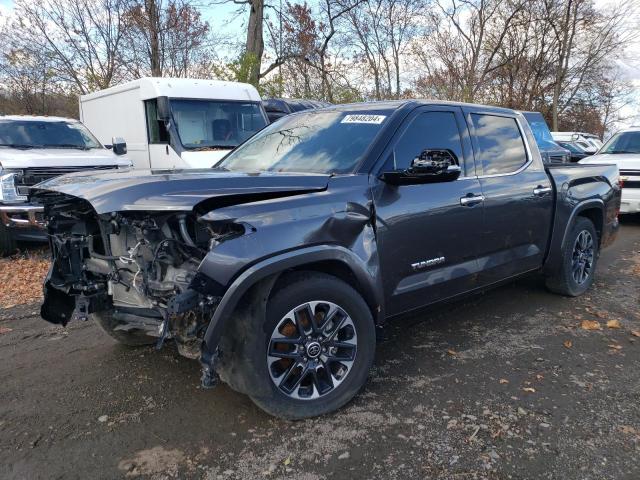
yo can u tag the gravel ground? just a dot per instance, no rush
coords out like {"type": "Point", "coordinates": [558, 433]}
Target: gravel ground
{"type": "Point", "coordinates": [508, 384]}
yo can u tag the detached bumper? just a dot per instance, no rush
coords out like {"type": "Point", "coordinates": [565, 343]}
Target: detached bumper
{"type": "Point", "coordinates": [22, 216]}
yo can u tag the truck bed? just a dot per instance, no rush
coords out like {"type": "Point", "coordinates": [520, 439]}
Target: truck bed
{"type": "Point", "coordinates": [591, 189]}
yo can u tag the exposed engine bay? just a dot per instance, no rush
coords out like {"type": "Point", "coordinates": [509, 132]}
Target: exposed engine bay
{"type": "Point", "coordinates": [136, 267]}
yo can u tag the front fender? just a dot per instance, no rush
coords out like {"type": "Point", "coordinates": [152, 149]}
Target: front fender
{"type": "Point", "coordinates": [367, 275]}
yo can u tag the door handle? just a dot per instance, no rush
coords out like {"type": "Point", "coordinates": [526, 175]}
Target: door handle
{"type": "Point", "coordinates": [541, 191]}
{"type": "Point", "coordinates": [470, 200]}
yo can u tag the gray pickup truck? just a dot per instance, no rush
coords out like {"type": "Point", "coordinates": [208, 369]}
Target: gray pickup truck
{"type": "Point", "coordinates": [275, 267]}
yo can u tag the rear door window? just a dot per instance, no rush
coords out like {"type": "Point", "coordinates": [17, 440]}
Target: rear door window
{"type": "Point", "coordinates": [500, 144]}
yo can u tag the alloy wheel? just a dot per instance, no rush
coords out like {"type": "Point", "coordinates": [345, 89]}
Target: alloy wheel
{"type": "Point", "coordinates": [312, 350]}
{"type": "Point", "coordinates": [582, 257]}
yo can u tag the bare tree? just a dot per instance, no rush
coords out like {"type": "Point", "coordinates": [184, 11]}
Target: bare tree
{"type": "Point", "coordinates": [465, 42]}
{"type": "Point", "coordinates": [165, 38]}
{"type": "Point", "coordinates": [82, 39]}
{"type": "Point", "coordinates": [584, 39]}
{"type": "Point", "coordinates": [381, 30]}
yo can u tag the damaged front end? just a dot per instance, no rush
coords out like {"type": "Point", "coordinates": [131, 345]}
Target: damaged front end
{"type": "Point", "coordinates": [137, 268]}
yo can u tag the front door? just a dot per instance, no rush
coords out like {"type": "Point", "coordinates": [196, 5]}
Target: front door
{"type": "Point", "coordinates": [427, 232]}
{"type": "Point", "coordinates": [518, 197]}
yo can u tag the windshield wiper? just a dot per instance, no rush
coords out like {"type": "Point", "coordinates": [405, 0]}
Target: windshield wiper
{"type": "Point", "coordinates": [18, 146]}
{"type": "Point", "coordinates": [66, 145]}
{"type": "Point", "coordinates": [204, 148]}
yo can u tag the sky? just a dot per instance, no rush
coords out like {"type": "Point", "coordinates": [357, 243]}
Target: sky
{"type": "Point", "coordinates": [227, 23]}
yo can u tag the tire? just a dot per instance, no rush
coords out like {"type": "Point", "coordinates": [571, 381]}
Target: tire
{"type": "Point", "coordinates": [564, 282]}
{"type": "Point", "coordinates": [8, 244]}
{"type": "Point", "coordinates": [131, 338]}
{"type": "Point", "coordinates": [334, 383]}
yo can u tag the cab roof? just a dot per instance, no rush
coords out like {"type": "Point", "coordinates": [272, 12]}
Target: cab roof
{"type": "Point", "coordinates": [37, 118]}
{"type": "Point", "coordinates": [202, 89]}
{"type": "Point", "coordinates": [410, 104]}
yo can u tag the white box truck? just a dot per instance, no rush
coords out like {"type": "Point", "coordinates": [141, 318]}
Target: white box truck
{"type": "Point", "coordinates": [172, 123]}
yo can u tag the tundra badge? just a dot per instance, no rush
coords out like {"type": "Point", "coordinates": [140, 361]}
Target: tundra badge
{"type": "Point", "coordinates": [427, 263]}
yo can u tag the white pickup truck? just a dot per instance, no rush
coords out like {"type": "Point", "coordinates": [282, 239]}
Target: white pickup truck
{"type": "Point", "coordinates": [623, 149]}
{"type": "Point", "coordinates": [34, 149]}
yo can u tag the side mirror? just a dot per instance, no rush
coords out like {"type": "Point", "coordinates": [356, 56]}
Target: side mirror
{"type": "Point", "coordinates": [163, 109]}
{"type": "Point", "coordinates": [118, 145]}
{"type": "Point", "coordinates": [430, 167]}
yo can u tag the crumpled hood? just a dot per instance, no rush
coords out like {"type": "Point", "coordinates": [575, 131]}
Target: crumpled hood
{"type": "Point", "coordinates": [14, 158]}
{"type": "Point", "coordinates": [174, 190]}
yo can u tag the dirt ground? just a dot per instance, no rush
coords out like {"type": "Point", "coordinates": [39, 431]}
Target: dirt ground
{"type": "Point", "coordinates": [505, 385]}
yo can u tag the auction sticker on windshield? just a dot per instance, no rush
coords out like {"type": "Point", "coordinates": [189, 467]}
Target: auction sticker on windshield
{"type": "Point", "coordinates": [375, 119]}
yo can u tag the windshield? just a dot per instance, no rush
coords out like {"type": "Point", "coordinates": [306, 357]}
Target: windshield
{"type": "Point", "coordinates": [623, 142]}
{"type": "Point", "coordinates": [204, 124]}
{"type": "Point", "coordinates": [539, 128]}
{"type": "Point", "coordinates": [312, 141]}
{"type": "Point", "coordinates": [45, 134]}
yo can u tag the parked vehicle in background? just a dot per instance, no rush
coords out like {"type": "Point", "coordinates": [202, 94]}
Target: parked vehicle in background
{"type": "Point", "coordinates": [551, 152]}
{"type": "Point", "coordinates": [623, 149]}
{"type": "Point", "coordinates": [34, 149]}
{"type": "Point", "coordinates": [587, 141]}
{"type": "Point", "coordinates": [171, 123]}
{"type": "Point", "coordinates": [277, 108]}
{"type": "Point", "coordinates": [275, 267]}
{"type": "Point", "coordinates": [577, 152]}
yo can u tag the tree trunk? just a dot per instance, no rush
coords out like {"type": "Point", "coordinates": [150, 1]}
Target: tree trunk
{"type": "Point", "coordinates": [154, 37]}
{"type": "Point", "coordinates": [255, 43]}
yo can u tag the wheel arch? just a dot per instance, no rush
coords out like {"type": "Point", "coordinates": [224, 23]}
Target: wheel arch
{"type": "Point", "coordinates": [592, 210]}
{"type": "Point", "coordinates": [331, 259]}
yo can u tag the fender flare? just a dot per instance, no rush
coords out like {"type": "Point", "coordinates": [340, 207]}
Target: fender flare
{"type": "Point", "coordinates": [559, 238]}
{"type": "Point", "coordinates": [581, 207]}
{"type": "Point", "coordinates": [279, 263]}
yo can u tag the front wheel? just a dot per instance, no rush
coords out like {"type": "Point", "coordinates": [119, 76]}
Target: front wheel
{"type": "Point", "coordinates": [579, 260]}
{"type": "Point", "coordinates": [315, 349]}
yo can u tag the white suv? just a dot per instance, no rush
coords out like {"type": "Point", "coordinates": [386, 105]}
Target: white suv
{"type": "Point", "coordinates": [623, 149]}
{"type": "Point", "coordinates": [34, 149]}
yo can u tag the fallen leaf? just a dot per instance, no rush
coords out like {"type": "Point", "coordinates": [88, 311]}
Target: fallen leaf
{"type": "Point", "coordinates": [568, 343]}
{"type": "Point", "coordinates": [5, 330]}
{"type": "Point", "coordinates": [287, 461]}
{"type": "Point", "coordinates": [503, 381]}
{"type": "Point", "coordinates": [21, 277]}
{"type": "Point", "coordinates": [529, 389]}
{"type": "Point", "coordinates": [635, 333]}
{"type": "Point", "coordinates": [590, 325]}
{"type": "Point", "coordinates": [452, 352]}
{"type": "Point", "coordinates": [613, 324]}
{"type": "Point", "coordinates": [615, 347]}
{"type": "Point", "coordinates": [627, 429]}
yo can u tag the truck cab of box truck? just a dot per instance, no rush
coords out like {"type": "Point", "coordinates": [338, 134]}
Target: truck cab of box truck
{"type": "Point", "coordinates": [175, 123]}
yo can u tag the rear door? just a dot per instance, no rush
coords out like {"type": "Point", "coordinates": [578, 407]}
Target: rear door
{"type": "Point", "coordinates": [426, 233]}
{"type": "Point", "coordinates": [518, 196]}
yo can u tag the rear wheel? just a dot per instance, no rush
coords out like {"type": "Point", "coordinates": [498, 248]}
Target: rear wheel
{"type": "Point", "coordinates": [131, 338]}
{"type": "Point", "coordinates": [579, 260]}
{"type": "Point", "coordinates": [7, 242]}
{"type": "Point", "coordinates": [313, 352]}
